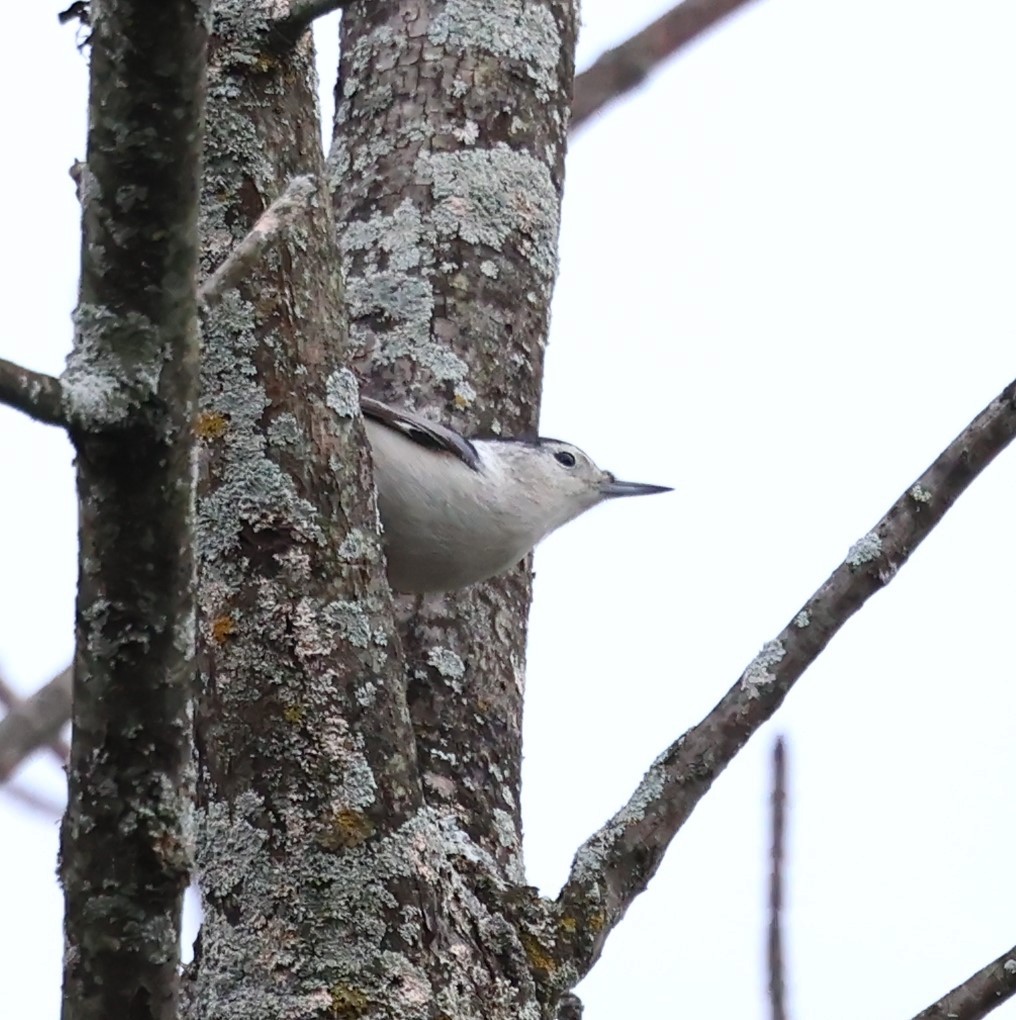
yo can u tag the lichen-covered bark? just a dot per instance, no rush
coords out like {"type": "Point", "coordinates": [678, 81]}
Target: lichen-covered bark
{"type": "Point", "coordinates": [128, 397]}
{"type": "Point", "coordinates": [447, 168]}
{"type": "Point", "coordinates": [305, 750]}
{"type": "Point", "coordinates": [339, 879]}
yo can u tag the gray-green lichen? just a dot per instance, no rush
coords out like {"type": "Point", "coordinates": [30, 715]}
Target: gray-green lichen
{"type": "Point", "coordinates": [494, 197]}
{"type": "Point", "coordinates": [357, 788]}
{"type": "Point", "coordinates": [318, 629]}
{"type": "Point", "coordinates": [185, 632]}
{"type": "Point", "coordinates": [359, 547]}
{"type": "Point", "coordinates": [802, 620]}
{"type": "Point", "coordinates": [510, 28]}
{"type": "Point", "coordinates": [104, 634]}
{"type": "Point", "coordinates": [398, 235]}
{"type": "Point", "coordinates": [864, 550]}
{"type": "Point", "coordinates": [366, 693]}
{"type": "Point", "coordinates": [589, 861]}
{"type": "Point", "coordinates": [285, 430]}
{"type": "Point", "coordinates": [758, 674]}
{"type": "Point", "coordinates": [342, 394]}
{"type": "Point", "coordinates": [507, 835]}
{"type": "Point", "coordinates": [253, 491]}
{"type": "Point", "coordinates": [348, 890]}
{"type": "Point", "coordinates": [919, 494]}
{"type": "Point", "coordinates": [101, 385]}
{"type": "Point", "coordinates": [447, 663]}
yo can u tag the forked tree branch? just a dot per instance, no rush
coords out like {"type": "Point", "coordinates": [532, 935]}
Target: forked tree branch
{"type": "Point", "coordinates": [625, 67]}
{"type": "Point", "coordinates": [34, 393]}
{"type": "Point", "coordinates": [616, 863]}
{"type": "Point", "coordinates": [979, 994]}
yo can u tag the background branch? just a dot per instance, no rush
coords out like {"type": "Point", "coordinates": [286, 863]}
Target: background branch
{"type": "Point", "coordinates": [979, 994]}
{"type": "Point", "coordinates": [50, 810]}
{"type": "Point", "coordinates": [625, 67]}
{"type": "Point", "coordinates": [34, 393]}
{"type": "Point", "coordinates": [616, 863]}
{"type": "Point", "coordinates": [774, 943]}
{"type": "Point", "coordinates": [36, 721]}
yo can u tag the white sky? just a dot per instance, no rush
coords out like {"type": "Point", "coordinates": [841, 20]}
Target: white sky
{"type": "Point", "coordinates": [786, 279]}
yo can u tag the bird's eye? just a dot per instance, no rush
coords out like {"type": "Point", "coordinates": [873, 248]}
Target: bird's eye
{"type": "Point", "coordinates": [564, 457]}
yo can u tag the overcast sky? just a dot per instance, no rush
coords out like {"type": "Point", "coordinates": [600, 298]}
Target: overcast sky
{"type": "Point", "coordinates": [786, 283]}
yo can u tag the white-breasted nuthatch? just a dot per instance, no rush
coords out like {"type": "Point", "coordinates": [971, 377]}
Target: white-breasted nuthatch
{"type": "Point", "coordinates": [456, 510]}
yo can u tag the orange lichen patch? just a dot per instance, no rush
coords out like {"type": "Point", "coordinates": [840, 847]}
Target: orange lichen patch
{"type": "Point", "coordinates": [293, 714]}
{"type": "Point", "coordinates": [348, 1002]}
{"type": "Point", "coordinates": [265, 63]}
{"type": "Point", "coordinates": [211, 425]}
{"type": "Point", "coordinates": [348, 829]}
{"type": "Point", "coordinates": [223, 628]}
{"type": "Point", "coordinates": [539, 958]}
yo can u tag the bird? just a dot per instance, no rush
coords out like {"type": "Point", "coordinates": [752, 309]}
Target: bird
{"type": "Point", "coordinates": [456, 511]}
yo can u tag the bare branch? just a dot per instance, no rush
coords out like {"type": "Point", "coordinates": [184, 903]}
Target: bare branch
{"type": "Point", "coordinates": [625, 67]}
{"type": "Point", "coordinates": [616, 863]}
{"type": "Point", "coordinates": [278, 217]}
{"type": "Point", "coordinates": [34, 393]}
{"type": "Point", "coordinates": [302, 14]}
{"type": "Point", "coordinates": [32, 722]}
{"type": "Point", "coordinates": [34, 802]}
{"type": "Point", "coordinates": [979, 994]}
{"type": "Point", "coordinates": [774, 947]}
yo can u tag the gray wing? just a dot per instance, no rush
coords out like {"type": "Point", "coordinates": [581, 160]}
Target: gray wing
{"type": "Point", "coordinates": [419, 430]}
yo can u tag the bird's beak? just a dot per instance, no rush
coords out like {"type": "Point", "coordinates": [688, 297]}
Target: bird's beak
{"type": "Point", "coordinates": [611, 487]}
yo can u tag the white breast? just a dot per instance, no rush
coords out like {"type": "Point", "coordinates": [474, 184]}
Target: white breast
{"type": "Point", "coordinates": [445, 525]}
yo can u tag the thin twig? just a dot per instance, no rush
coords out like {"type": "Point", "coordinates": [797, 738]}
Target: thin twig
{"type": "Point", "coordinates": [979, 994]}
{"type": "Point", "coordinates": [34, 722]}
{"type": "Point", "coordinates": [616, 863]}
{"type": "Point", "coordinates": [34, 393]}
{"type": "Point", "coordinates": [774, 954]}
{"type": "Point", "coordinates": [624, 67]}
{"type": "Point", "coordinates": [279, 216]}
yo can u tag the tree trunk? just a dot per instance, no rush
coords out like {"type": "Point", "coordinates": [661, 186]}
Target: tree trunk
{"type": "Point", "coordinates": [360, 852]}
{"type": "Point", "coordinates": [128, 400]}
